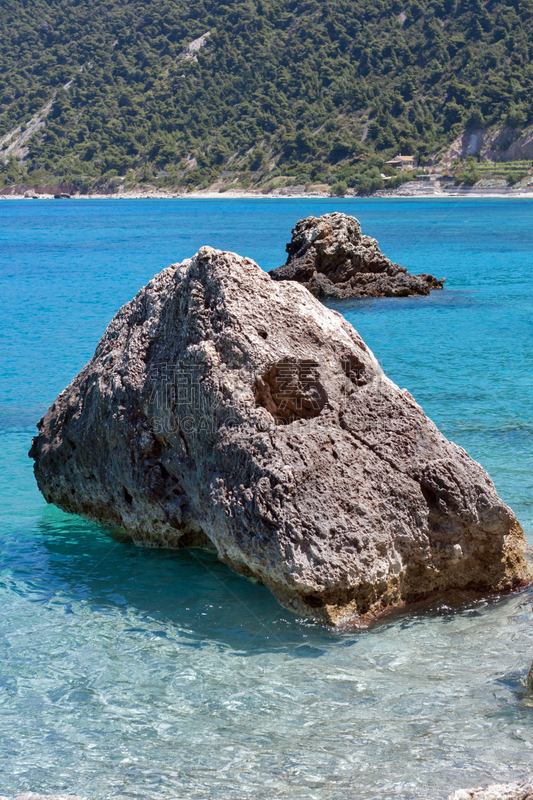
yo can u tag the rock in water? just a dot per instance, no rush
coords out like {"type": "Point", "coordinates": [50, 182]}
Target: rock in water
{"type": "Point", "coordinates": [36, 796]}
{"type": "Point", "coordinates": [332, 258]}
{"type": "Point", "coordinates": [523, 790]}
{"type": "Point", "coordinates": [224, 409]}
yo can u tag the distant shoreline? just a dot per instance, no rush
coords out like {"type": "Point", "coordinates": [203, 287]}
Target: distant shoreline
{"type": "Point", "coordinates": [206, 195]}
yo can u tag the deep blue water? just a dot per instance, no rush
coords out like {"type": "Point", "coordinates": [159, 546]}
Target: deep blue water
{"type": "Point", "coordinates": [131, 673]}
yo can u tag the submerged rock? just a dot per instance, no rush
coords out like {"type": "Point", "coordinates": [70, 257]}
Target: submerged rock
{"type": "Point", "coordinates": [36, 796]}
{"type": "Point", "coordinates": [332, 258]}
{"type": "Point", "coordinates": [226, 410]}
{"type": "Point", "coordinates": [523, 790]}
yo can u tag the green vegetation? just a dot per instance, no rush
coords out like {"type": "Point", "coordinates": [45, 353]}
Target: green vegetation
{"type": "Point", "coordinates": [314, 92]}
{"type": "Point", "coordinates": [468, 177]}
{"type": "Point", "coordinates": [471, 172]}
{"type": "Point", "coordinates": [515, 177]}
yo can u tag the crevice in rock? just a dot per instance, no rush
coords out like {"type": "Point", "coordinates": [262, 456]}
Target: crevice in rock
{"type": "Point", "coordinates": [371, 447]}
{"type": "Point", "coordinates": [184, 440]}
{"type": "Point", "coordinates": [196, 538]}
{"type": "Point", "coordinates": [165, 474]}
{"type": "Point", "coordinates": [429, 496]}
{"type": "Point", "coordinates": [354, 369]}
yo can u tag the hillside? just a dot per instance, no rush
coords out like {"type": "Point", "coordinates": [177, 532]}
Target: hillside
{"type": "Point", "coordinates": [187, 93]}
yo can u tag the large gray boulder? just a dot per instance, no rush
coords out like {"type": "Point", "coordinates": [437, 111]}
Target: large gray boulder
{"type": "Point", "coordinates": [332, 258]}
{"type": "Point", "coordinates": [227, 410]}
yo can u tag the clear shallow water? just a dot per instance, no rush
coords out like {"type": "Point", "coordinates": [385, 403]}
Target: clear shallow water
{"type": "Point", "coordinates": [131, 673]}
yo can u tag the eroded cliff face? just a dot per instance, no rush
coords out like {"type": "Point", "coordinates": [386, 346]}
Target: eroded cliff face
{"type": "Point", "coordinates": [227, 410]}
{"type": "Point", "coordinates": [332, 258]}
{"type": "Point", "coordinates": [494, 144]}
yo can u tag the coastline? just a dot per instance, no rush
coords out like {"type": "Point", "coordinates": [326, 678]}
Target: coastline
{"type": "Point", "coordinates": [160, 194]}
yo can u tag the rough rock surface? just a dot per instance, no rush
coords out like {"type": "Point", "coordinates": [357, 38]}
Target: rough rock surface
{"type": "Point", "coordinates": [332, 258]}
{"type": "Point", "coordinates": [523, 790]}
{"type": "Point", "coordinates": [227, 410]}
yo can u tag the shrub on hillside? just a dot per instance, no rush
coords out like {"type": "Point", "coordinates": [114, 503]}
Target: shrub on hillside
{"type": "Point", "coordinates": [467, 177]}
{"type": "Point", "coordinates": [515, 177]}
{"type": "Point", "coordinates": [369, 181]}
{"type": "Point", "coordinates": [339, 189]}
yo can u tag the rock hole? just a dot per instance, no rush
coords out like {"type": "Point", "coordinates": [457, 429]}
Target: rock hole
{"type": "Point", "coordinates": [313, 601]}
{"type": "Point", "coordinates": [127, 497]}
{"type": "Point", "coordinates": [290, 389]}
{"type": "Point", "coordinates": [430, 497]}
{"type": "Point", "coordinates": [262, 333]}
{"type": "Point", "coordinates": [196, 538]}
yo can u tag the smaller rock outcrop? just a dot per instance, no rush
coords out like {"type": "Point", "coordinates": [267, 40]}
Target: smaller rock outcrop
{"type": "Point", "coordinates": [523, 790]}
{"type": "Point", "coordinates": [332, 258]}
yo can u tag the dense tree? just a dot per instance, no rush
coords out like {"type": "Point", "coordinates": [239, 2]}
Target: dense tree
{"type": "Point", "coordinates": [290, 82]}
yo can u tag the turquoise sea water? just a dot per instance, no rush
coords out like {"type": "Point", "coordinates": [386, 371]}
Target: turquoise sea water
{"type": "Point", "coordinates": [131, 673]}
